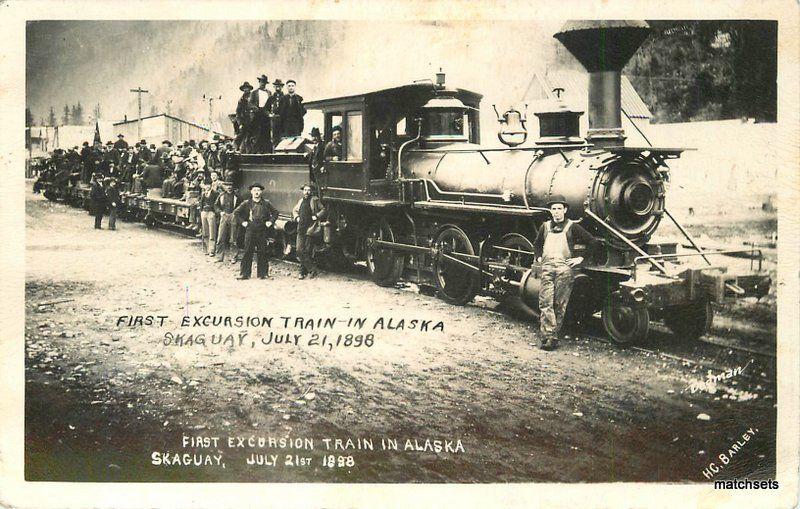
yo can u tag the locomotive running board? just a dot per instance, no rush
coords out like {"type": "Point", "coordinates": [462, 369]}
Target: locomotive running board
{"type": "Point", "coordinates": [440, 205]}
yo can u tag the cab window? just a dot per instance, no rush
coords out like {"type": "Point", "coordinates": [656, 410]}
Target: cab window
{"type": "Point", "coordinates": [353, 142]}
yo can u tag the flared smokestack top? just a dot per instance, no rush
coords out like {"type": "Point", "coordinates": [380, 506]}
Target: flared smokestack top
{"type": "Point", "coordinates": [603, 47]}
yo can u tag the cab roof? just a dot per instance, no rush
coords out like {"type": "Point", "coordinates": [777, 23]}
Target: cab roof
{"type": "Point", "coordinates": [410, 94]}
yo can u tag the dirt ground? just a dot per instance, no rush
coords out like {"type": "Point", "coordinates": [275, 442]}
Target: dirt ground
{"type": "Point", "coordinates": [102, 399]}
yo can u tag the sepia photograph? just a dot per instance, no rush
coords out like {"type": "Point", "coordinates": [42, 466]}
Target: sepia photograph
{"type": "Point", "coordinates": [349, 251]}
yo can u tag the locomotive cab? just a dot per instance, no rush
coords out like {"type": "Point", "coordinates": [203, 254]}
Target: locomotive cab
{"type": "Point", "coordinates": [376, 125]}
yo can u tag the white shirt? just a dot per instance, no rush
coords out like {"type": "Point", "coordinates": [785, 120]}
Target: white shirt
{"type": "Point", "coordinates": [263, 95]}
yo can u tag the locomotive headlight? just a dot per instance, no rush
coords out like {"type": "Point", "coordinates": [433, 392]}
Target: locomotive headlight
{"type": "Point", "coordinates": [639, 198]}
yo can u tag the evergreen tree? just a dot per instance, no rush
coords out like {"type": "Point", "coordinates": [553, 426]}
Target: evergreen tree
{"type": "Point", "coordinates": [77, 114]}
{"type": "Point", "coordinates": [65, 115]}
{"type": "Point", "coordinates": [51, 120]}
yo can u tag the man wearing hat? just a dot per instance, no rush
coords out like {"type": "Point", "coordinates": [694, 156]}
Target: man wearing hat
{"type": "Point", "coordinates": [226, 203]}
{"type": "Point", "coordinates": [97, 200]}
{"type": "Point", "coordinates": [274, 111]}
{"type": "Point", "coordinates": [120, 144]}
{"type": "Point", "coordinates": [113, 201]}
{"type": "Point", "coordinates": [144, 152]}
{"type": "Point", "coordinates": [555, 246]}
{"type": "Point", "coordinates": [307, 213]}
{"type": "Point", "coordinates": [243, 117]}
{"type": "Point", "coordinates": [87, 162]}
{"type": "Point", "coordinates": [292, 111]}
{"type": "Point", "coordinates": [162, 153]}
{"type": "Point", "coordinates": [259, 99]}
{"type": "Point", "coordinates": [316, 160]}
{"type": "Point", "coordinates": [257, 216]}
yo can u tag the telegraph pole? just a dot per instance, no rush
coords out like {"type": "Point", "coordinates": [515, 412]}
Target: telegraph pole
{"type": "Point", "coordinates": [210, 100]}
{"type": "Point", "coordinates": [139, 91]}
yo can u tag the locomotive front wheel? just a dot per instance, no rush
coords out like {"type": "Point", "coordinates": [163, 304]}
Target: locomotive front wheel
{"type": "Point", "coordinates": [454, 283]}
{"type": "Point", "coordinates": [691, 321]}
{"type": "Point", "coordinates": [625, 324]}
{"type": "Point", "coordinates": [385, 265]}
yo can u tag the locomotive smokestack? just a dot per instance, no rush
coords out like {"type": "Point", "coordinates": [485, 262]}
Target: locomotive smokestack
{"type": "Point", "coordinates": [603, 47]}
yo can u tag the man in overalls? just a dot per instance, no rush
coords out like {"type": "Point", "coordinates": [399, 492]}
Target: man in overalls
{"type": "Point", "coordinates": [555, 247]}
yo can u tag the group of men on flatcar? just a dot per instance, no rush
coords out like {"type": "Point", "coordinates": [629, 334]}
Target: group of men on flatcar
{"type": "Point", "coordinates": [264, 116]}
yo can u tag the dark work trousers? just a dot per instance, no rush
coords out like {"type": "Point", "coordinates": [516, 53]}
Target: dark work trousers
{"type": "Point", "coordinates": [554, 294]}
{"type": "Point", "coordinates": [305, 251]}
{"type": "Point", "coordinates": [255, 239]}
{"type": "Point", "coordinates": [112, 218]}
{"type": "Point", "coordinates": [260, 133]}
{"type": "Point", "coordinates": [98, 220]}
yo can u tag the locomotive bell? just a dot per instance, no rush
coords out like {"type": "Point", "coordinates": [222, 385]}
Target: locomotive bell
{"type": "Point", "coordinates": [513, 131]}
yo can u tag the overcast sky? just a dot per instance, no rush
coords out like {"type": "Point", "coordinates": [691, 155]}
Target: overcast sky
{"type": "Point", "coordinates": [179, 61]}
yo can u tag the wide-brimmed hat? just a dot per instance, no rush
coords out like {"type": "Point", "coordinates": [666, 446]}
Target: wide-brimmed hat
{"type": "Point", "coordinates": [167, 142]}
{"type": "Point", "coordinates": [246, 86]}
{"type": "Point", "coordinates": [256, 184]}
{"type": "Point", "coordinates": [120, 135]}
{"type": "Point", "coordinates": [557, 198]}
{"type": "Point", "coordinates": [263, 78]}
{"type": "Point", "coordinates": [315, 132]}
{"type": "Point", "coordinates": [312, 185]}
{"type": "Point", "coordinates": [277, 82]}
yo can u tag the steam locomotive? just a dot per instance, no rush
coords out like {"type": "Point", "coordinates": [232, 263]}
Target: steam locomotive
{"type": "Point", "coordinates": [418, 198]}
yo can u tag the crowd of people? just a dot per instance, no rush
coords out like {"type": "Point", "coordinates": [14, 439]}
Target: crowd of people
{"type": "Point", "coordinates": [205, 174]}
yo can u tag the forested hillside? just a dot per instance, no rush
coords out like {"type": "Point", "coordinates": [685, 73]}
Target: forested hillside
{"type": "Point", "coordinates": [708, 70]}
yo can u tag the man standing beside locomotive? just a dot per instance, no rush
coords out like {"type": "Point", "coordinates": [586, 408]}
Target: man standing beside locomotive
{"type": "Point", "coordinates": [307, 212]}
{"type": "Point", "coordinates": [555, 246]}
{"type": "Point", "coordinates": [225, 205]}
{"type": "Point", "coordinates": [208, 218]}
{"type": "Point", "coordinates": [257, 215]}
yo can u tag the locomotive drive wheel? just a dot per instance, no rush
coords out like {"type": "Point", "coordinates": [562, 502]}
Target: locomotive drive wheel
{"type": "Point", "coordinates": [520, 243]}
{"type": "Point", "coordinates": [625, 324]}
{"type": "Point", "coordinates": [690, 321]}
{"type": "Point", "coordinates": [385, 265]}
{"type": "Point", "coordinates": [454, 283]}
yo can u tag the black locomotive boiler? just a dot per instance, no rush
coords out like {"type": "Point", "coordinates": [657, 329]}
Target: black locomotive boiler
{"type": "Point", "coordinates": [417, 197]}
